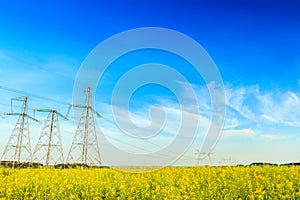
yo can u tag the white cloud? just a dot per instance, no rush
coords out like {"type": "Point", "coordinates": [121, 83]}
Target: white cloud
{"type": "Point", "coordinates": [263, 108]}
{"type": "Point", "coordinates": [231, 123]}
{"type": "Point", "coordinates": [269, 118]}
{"type": "Point", "coordinates": [270, 137]}
{"type": "Point", "coordinates": [248, 106]}
{"type": "Point", "coordinates": [240, 132]}
{"type": "Point", "coordinates": [236, 97]}
{"type": "Point", "coordinates": [170, 122]}
{"type": "Point", "coordinates": [281, 108]}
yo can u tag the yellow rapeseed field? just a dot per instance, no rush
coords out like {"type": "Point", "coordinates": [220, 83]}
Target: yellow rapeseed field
{"type": "Point", "coordinates": [255, 182]}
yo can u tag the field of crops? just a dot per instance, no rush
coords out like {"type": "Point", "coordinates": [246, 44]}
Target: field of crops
{"type": "Point", "coordinates": [254, 182]}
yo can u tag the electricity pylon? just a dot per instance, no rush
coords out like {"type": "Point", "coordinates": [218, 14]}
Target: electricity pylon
{"type": "Point", "coordinates": [84, 148]}
{"type": "Point", "coordinates": [48, 150]}
{"type": "Point", "coordinates": [18, 148]}
{"type": "Point", "coordinates": [227, 161]}
{"type": "Point", "coordinates": [199, 157]}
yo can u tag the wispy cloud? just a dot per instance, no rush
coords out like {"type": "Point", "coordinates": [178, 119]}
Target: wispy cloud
{"type": "Point", "coordinates": [265, 108]}
{"type": "Point", "coordinates": [282, 108]}
{"type": "Point", "coordinates": [168, 120]}
{"type": "Point", "coordinates": [240, 132]}
{"type": "Point", "coordinates": [236, 98]}
{"type": "Point", "coordinates": [251, 112]}
{"type": "Point", "coordinates": [271, 137]}
{"type": "Point", "coordinates": [231, 123]}
{"type": "Point", "coordinates": [21, 69]}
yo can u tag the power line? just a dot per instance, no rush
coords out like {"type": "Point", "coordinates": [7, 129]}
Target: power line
{"type": "Point", "coordinates": [84, 148]}
{"type": "Point", "coordinates": [67, 103]}
{"type": "Point", "coordinates": [18, 148]}
{"type": "Point", "coordinates": [149, 142]}
{"type": "Point", "coordinates": [49, 146]}
{"type": "Point", "coordinates": [32, 95]}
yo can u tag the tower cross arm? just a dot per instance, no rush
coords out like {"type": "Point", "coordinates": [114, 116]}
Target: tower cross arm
{"type": "Point", "coordinates": [18, 114]}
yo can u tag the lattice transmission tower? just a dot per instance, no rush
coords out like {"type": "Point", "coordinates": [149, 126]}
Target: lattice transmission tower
{"type": "Point", "coordinates": [48, 150]}
{"type": "Point", "coordinates": [18, 148]}
{"type": "Point", "coordinates": [85, 148]}
{"type": "Point", "coordinates": [200, 156]}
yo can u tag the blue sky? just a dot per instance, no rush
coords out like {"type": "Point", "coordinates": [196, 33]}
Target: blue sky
{"type": "Point", "coordinates": [255, 45]}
